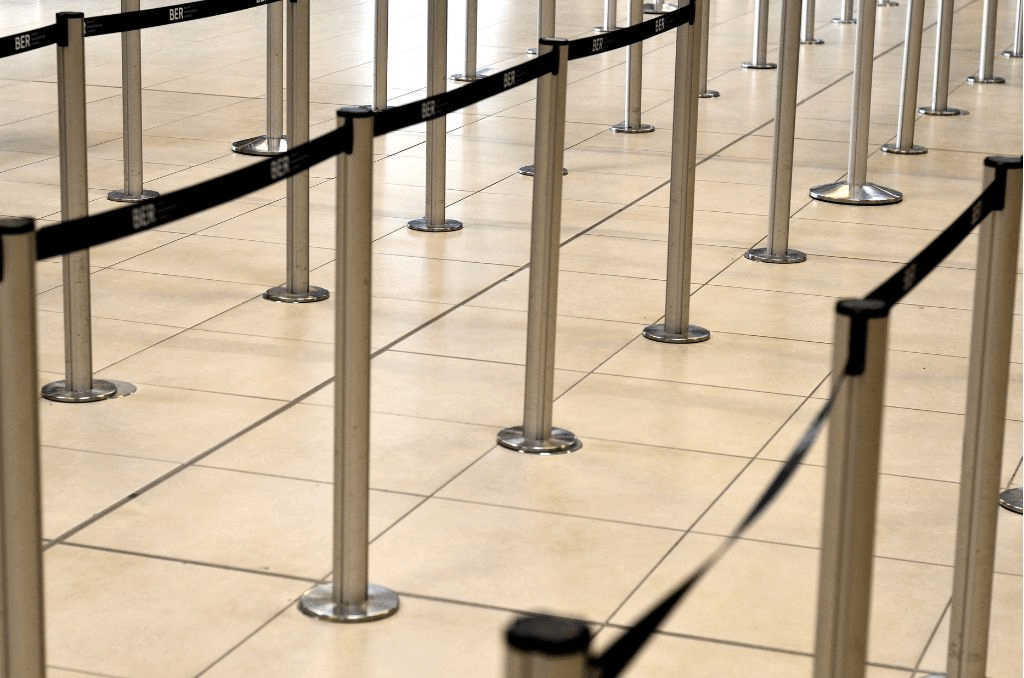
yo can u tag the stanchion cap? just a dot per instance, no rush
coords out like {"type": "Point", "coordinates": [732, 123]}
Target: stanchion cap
{"type": "Point", "coordinates": [13, 225]}
{"type": "Point", "coordinates": [864, 308]}
{"type": "Point", "coordinates": [548, 635]}
{"type": "Point", "coordinates": [1007, 161]}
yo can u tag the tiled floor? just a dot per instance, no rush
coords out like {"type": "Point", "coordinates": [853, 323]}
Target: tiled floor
{"type": "Point", "coordinates": [183, 522]}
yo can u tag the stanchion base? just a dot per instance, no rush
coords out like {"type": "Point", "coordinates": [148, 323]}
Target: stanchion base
{"type": "Point", "coordinates": [758, 67]}
{"type": "Point", "coordinates": [868, 194]}
{"type": "Point", "coordinates": [102, 389]}
{"type": "Point", "coordinates": [913, 150]}
{"type": "Point", "coordinates": [424, 225]}
{"type": "Point", "coordinates": [124, 196]}
{"type": "Point", "coordinates": [462, 77]}
{"type": "Point", "coordinates": [1011, 499]}
{"type": "Point", "coordinates": [603, 29]}
{"type": "Point", "coordinates": [260, 146]}
{"type": "Point", "coordinates": [887, 3]}
{"type": "Point", "coordinates": [532, 51]}
{"type": "Point", "coordinates": [762, 255]}
{"type": "Point", "coordinates": [665, 8]}
{"type": "Point", "coordinates": [709, 94]}
{"type": "Point", "coordinates": [928, 110]}
{"type": "Point", "coordinates": [530, 170]}
{"type": "Point", "coordinates": [812, 41]}
{"type": "Point", "coordinates": [282, 294]}
{"type": "Point", "coordinates": [841, 20]}
{"type": "Point", "coordinates": [318, 602]}
{"type": "Point", "coordinates": [623, 128]}
{"type": "Point", "coordinates": [1011, 54]}
{"type": "Point", "coordinates": [559, 441]}
{"type": "Point", "coordinates": [694, 334]}
{"type": "Point", "coordinates": [991, 80]}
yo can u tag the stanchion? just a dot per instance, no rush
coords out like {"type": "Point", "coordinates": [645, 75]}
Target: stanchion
{"type": "Point", "coordinates": [437, 62]}
{"type": "Point", "coordinates": [856, 190]}
{"type": "Point", "coordinates": [705, 30]}
{"type": "Point", "coordinates": [273, 142]}
{"type": "Point", "coordinates": [659, 7]}
{"type": "Point", "coordinates": [537, 435]}
{"type": "Point", "coordinates": [851, 489]}
{"type": "Point", "coordinates": [1012, 500]}
{"type": "Point", "coordinates": [547, 647]}
{"type": "Point", "coordinates": [1017, 50]}
{"type": "Point", "coordinates": [350, 597]}
{"type": "Point", "coordinates": [807, 25]}
{"type": "Point", "coordinates": [908, 87]}
{"type": "Point", "coordinates": [759, 60]}
{"type": "Point", "coordinates": [846, 16]}
{"type": "Point", "coordinates": [940, 80]}
{"type": "Point", "coordinates": [297, 289]}
{"type": "Point", "coordinates": [987, 383]}
{"type": "Point", "coordinates": [470, 72]}
{"type": "Point", "coordinates": [610, 18]}
{"type": "Point", "coordinates": [984, 76]}
{"type": "Point", "coordinates": [131, 107]}
{"type": "Point", "coordinates": [22, 629]}
{"type": "Point", "coordinates": [78, 385]}
{"type": "Point", "coordinates": [380, 55]}
{"type": "Point", "coordinates": [546, 29]}
{"type": "Point", "coordinates": [777, 251]}
{"type": "Point", "coordinates": [677, 328]}
{"type": "Point", "coordinates": [634, 79]}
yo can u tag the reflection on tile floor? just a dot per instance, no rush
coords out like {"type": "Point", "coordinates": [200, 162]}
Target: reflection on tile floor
{"type": "Point", "coordinates": [183, 522]}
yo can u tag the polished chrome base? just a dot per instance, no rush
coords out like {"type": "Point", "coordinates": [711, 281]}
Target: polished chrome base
{"type": "Point", "coordinates": [124, 196]}
{"type": "Point", "coordinates": [1011, 499]}
{"type": "Point", "coordinates": [462, 77]}
{"type": "Point", "coordinates": [813, 41]}
{"type": "Point", "coordinates": [446, 225]}
{"type": "Point", "coordinates": [665, 8]}
{"type": "Point", "coordinates": [260, 146]}
{"type": "Point", "coordinates": [840, 20]}
{"type": "Point", "coordinates": [623, 128]}
{"type": "Point", "coordinates": [694, 334]}
{"type": "Point", "coordinates": [709, 94]}
{"type": "Point", "coordinates": [993, 80]}
{"type": "Point", "coordinates": [319, 602]}
{"type": "Point", "coordinates": [1011, 54]}
{"type": "Point", "coordinates": [764, 256]}
{"type": "Point", "coordinates": [102, 389]}
{"type": "Point", "coordinates": [868, 194]}
{"type": "Point", "coordinates": [602, 29]}
{"type": "Point", "coordinates": [886, 3]}
{"type": "Point", "coordinates": [559, 441]}
{"type": "Point", "coordinates": [928, 110]}
{"type": "Point", "coordinates": [282, 294]}
{"type": "Point", "coordinates": [532, 51]}
{"type": "Point", "coordinates": [758, 67]}
{"type": "Point", "coordinates": [530, 170]}
{"type": "Point", "coordinates": [913, 150]}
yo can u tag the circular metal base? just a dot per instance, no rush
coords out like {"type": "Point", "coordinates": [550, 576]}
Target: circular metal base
{"type": "Point", "coordinates": [446, 225]}
{"type": "Point", "coordinates": [460, 77]}
{"type": "Point", "coordinates": [282, 294]}
{"type": "Point", "coordinates": [1010, 54]}
{"type": "Point", "coordinates": [260, 146]}
{"type": "Point", "coordinates": [318, 602]}
{"type": "Point", "coordinates": [913, 150]}
{"type": "Point", "coordinates": [532, 51]}
{"type": "Point", "coordinates": [559, 441]}
{"type": "Point", "coordinates": [1011, 499]}
{"type": "Point", "coordinates": [928, 110]}
{"type": "Point", "coordinates": [813, 41]}
{"type": "Point", "coordinates": [694, 334]}
{"type": "Point", "coordinates": [530, 170]}
{"type": "Point", "coordinates": [762, 255]}
{"type": "Point", "coordinates": [840, 20]}
{"type": "Point", "coordinates": [993, 80]}
{"type": "Point", "coordinates": [887, 3]}
{"type": "Point", "coordinates": [602, 29]}
{"type": "Point", "coordinates": [868, 194]}
{"type": "Point", "coordinates": [123, 196]}
{"type": "Point", "coordinates": [709, 94]}
{"type": "Point", "coordinates": [622, 128]}
{"type": "Point", "coordinates": [758, 67]}
{"type": "Point", "coordinates": [102, 389]}
{"type": "Point", "coordinates": [664, 8]}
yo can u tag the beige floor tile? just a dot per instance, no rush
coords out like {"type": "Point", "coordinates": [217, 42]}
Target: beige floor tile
{"type": "Point", "coordinates": [112, 341]}
{"type": "Point", "coordinates": [763, 313]}
{"type": "Point", "coordinates": [640, 258]}
{"type": "Point", "coordinates": [476, 242]}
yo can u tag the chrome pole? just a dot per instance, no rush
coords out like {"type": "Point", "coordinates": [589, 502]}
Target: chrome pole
{"type": "Point", "coordinates": [777, 251]}
{"type": "Point", "coordinates": [131, 107]}
{"type": "Point", "coordinates": [851, 489]}
{"type": "Point", "coordinates": [437, 63]}
{"type": "Point", "coordinates": [846, 16]}
{"type": "Point", "coordinates": [807, 25]}
{"type": "Point", "coordinates": [546, 29]}
{"type": "Point", "coordinates": [1017, 51]}
{"type": "Point", "coordinates": [349, 597]}
{"type": "Point", "coordinates": [705, 30]}
{"type": "Point", "coordinates": [380, 55]}
{"type": "Point", "coordinates": [984, 76]}
{"type": "Point", "coordinates": [540, 646]}
{"type": "Point", "coordinates": [940, 80]}
{"type": "Point", "coordinates": [22, 627]}
{"type": "Point", "coordinates": [760, 57]}
{"type": "Point", "coordinates": [610, 17]}
{"type": "Point", "coordinates": [677, 328]}
{"type": "Point", "coordinates": [273, 142]}
{"type": "Point", "coordinates": [634, 79]}
{"type": "Point", "coordinates": [470, 73]}
{"type": "Point", "coordinates": [537, 435]}
{"type": "Point", "coordinates": [908, 87]}
{"type": "Point", "coordinates": [78, 385]}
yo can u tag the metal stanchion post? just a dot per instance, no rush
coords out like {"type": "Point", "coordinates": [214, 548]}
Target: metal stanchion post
{"type": "Point", "coordinates": [470, 72]}
{"type": "Point", "coordinates": [659, 7]}
{"type": "Point", "coordinates": [856, 190]}
{"type": "Point", "coordinates": [546, 29]}
{"type": "Point", "coordinates": [131, 106]}
{"type": "Point", "coordinates": [610, 12]}
{"type": "Point", "coordinates": [984, 426]}
{"type": "Point", "coordinates": [547, 647]}
{"type": "Point", "coordinates": [22, 629]}
{"type": "Point", "coordinates": [807, 25]}
{"type": "Point", "coordinates": [908, 87]}
{"type": "Point", "coordinates": [846, 17]}
{"type": "Point", "coordinates": [984, 76]}
{"type": "Point", "coordinates": [940, 80]}
{"type": "Point", "coordinates": [437, 62]}
{"type": "Point", "coordinates": [705, 30]}
{"type": "Point", "coordinates": [1017, 50]}
{"type": "Point", "coordinates": [851, 489]}
{"type": "Point", "coordinates": [634, 79]}
{"type": "Point", "coordinates": [273, 142]}
{"type": "Point", "coordinates": [677, 328]}
{"type": "Point", "coordinates": [350, 597]}
{"type": "Point", "coordinates": [760, 57]}
{"type": "Point", "coordinates": [537, 435]}
{"type": "Point", "coordinates": [380, 55]}
{"type": "Point", "coordinates": [777, 251]}
{"type": "Point", "coordinates": [78, 385]}
{"type": "Point", "coordinates": [297, 289]}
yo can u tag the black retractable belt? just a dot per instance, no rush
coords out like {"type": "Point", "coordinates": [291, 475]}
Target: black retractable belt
{"type": "Point", "coordinates": [28, 40]}
{"type": "Point", "coordinates": [623, 37]}
{"type": "Point", "coordinates": [164, 16]}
